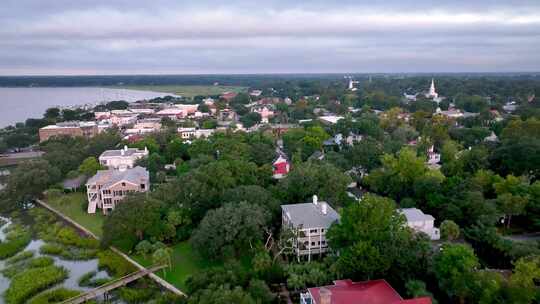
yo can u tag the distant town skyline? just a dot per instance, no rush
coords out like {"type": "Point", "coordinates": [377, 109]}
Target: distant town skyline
{"type": "Point", "coordinates": [209, 37]}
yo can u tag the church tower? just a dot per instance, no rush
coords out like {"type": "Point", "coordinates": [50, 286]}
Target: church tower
{"type": "Point", "coordinates": [432, 93]}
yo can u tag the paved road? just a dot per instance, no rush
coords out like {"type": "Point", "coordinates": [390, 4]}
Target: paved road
{"type": "Point", "coordinates": [31, 154]}
{"type": "Point", "coordinates": [528, 237]}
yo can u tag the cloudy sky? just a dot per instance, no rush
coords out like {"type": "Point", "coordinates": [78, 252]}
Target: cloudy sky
{"type": "Point", "coordinates": [205, 36]}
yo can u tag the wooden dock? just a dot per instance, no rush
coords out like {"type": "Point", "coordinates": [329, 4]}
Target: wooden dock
{"type": "Point", "coordinates": [105, 288]}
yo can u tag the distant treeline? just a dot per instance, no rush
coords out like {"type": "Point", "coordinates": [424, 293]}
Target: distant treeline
{"type": "Point", "coordinates": [259, 80]}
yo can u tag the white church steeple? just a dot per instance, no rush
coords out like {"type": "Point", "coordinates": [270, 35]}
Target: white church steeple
{"type": "Point", "coordinates": [432, 92]}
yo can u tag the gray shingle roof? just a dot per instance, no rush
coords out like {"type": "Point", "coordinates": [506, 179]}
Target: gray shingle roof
{"type": "Point", "coordinates": [415, 215]}
{"type": "Point", "coordinates": [128, 152]}
{"type": "Point", "coordinates": [310, 215]}
{"type": "Point", "coordinates": [109, 177]}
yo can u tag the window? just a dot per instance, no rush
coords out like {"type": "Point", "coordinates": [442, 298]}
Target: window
{"type": "Point", "coordinates": [107, 201]}
{"type": "Point", "coordinates": [123, 184]}
{"type": "Point", "coordinates": [313, 231]}
{"type": "Point", "coordinates": [143, 186]}
{"type": "Point", "coordinates": [312, 243]}
{"type": "Point", "coordinates": [322, 229]}
{"type": "Point", "coordinates": [117, 192]}
{"type": "Point", "coordinates": [106, 191]}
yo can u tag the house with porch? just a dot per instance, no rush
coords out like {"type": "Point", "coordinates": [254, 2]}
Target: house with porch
{"type": "Point", "coordinates": [309, 223]}
{"type": "Point", "coordinates": [108, 188]}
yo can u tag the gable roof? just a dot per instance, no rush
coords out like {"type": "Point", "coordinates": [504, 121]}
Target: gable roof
{"type": "Point", "coordinates": [368, 292]}
{"type": "Point", "coordinates": [415, 215]}
{"type": "Point", "coordinates": [310, 215]}
{"type": "Point", "coordinates": [107, 178]}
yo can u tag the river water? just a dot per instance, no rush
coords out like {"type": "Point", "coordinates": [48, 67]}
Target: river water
{"type": "Point", "coordinates": [18, 104]}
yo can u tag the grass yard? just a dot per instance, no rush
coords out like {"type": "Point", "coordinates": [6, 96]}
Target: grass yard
{"type": "Point", "coordinates": [185, 263]}
{"type": "Point", "coordinates": [72, 206]}
{"type": "Point", "coordinates": [188, 91]}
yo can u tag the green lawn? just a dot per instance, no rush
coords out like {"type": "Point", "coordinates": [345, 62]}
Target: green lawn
{"type": "Point", "coordinates": [188, 91]}
{"type": "Point", "coordinates": [185, 263]}
{"type": "Point", "coordinates": [73, 206]}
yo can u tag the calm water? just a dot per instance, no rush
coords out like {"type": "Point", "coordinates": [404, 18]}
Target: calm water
{"type": "Point", "coordinates": [76, 268]}
{"type": "Point", "coordinates": [18, 104]}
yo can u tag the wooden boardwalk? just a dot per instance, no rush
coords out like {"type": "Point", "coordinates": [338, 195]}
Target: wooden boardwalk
{"type": "Point", "coordinates": [105, 288]}
{"type": "Point", "coordinates": [153, 276]}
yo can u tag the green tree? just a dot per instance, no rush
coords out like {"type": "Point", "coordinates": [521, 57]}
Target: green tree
{"type": "Point", "coordinates": [417, 289]}
{"type": "Point", "coordinates": [454, 267]}
{"type": "Point", "coordinates": [143, 248]}
{"type": "Point", "coordinates": [368, 238]}
{"type": "Point", "coordinates": [311, 178]}
{"type": "Point", "coordinates": [133, 219]}
{"type": "Point", "coordinates": [90, 166]}
{"type": "Point", "coordinates": [230, 230]}
{"type": "Point", "coordinates": [28, 181]}
{"type": "Point", "coordinates": [449, 230]}
{"type": "Point", "coordinates": [250, 119]}
{"type": "Point", "coordinates": [162, 256]}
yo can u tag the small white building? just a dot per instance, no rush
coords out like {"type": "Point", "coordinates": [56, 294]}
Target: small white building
{"type": "Point", "coordinates": [330, 119]}
{"type": "Point", "coordinates": [189, 133]}
{"type": "Point", "coordinates": [122, 159]}
{"type": "Point", "coordinates": [420, 222]}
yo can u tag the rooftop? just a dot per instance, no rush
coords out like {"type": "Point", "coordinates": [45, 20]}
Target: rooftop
{"type": "Point", "coordinates": [127, 152]}
{"type": "Point", "coordinates": [311, 214]}
{"type": "Point", "coordinates": [415, 215]}
{"type": "Point", "coordinates": [108, 178]}
{"type": "Point", "coordinates": [368, 292]}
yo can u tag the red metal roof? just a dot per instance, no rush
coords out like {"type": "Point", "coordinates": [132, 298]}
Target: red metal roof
{"type": "Point", "coordinates": [368, 292]}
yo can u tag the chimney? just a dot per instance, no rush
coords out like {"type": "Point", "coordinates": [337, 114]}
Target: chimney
{"type": "Point", "coordinates": [325, 295]}
{"type": "Point", "coordinates": [324, 208]}
{"type": "Point", "coordinates": [122, 152]}
{"type": "Point", "coordinates": [315, 200]}
{"type": "Point", "coordinates": [125, 148]}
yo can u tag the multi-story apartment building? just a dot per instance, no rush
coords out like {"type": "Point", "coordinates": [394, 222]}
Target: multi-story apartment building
{"type": "Point", "coordinates": [108, 187]}
{"type": "Point", "coordinates": [71, 128]}
{"type": "Point", "coordinates": [122, 159]}
{"type": "Point", "coordinates": [309, 223]}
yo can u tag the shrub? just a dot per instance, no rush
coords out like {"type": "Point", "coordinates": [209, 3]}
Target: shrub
{"type": "Point", "coordinates": [43, 261]}
{"type": "Point", "coordinates": [89, 280]}
{"type": "Point", "coordinates": [20, 257]}
{"type": "Point", "coordinates": [449, 230]}
{"type": "Point", "coordinates": [17, 268]}
{"type": "Point", "coordinates": [17, 240]}
{"type": "Point", "coordinates": [53, 194]}
{"type": "Point", "coordinates": [52, 249]}
{"type": "Point", "coordinates": [54, 296]}
{"type": "Point", "coordinates": [28, 283]}
{"type": "Point", "coordinates": [68, 252]}
{"type": "Point", "coordinates": [116, 265]}
{"type": "Point", "coordinates": [132, 295]}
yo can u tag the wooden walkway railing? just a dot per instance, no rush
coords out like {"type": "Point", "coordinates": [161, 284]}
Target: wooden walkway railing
{"type": "Point", "coordinates": [105, 288]}
{"type": "Point", "coordinates": [153, 276]}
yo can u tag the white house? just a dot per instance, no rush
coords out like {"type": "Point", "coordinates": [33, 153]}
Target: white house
{"type": "Point", "coordinates": [309, 222]}
{"type": "Point", "coordinates": [418, 221]}
{"type": "Point", "coordinates": [122, 159]}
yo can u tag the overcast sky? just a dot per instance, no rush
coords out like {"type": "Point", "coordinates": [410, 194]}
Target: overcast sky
{"type": "Point", "coordinates": [177, 37]}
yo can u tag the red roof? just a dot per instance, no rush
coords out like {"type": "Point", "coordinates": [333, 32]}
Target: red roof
{"type": "Point", "coordinates": [368, 292]}
{"type": "Point", "coordinates": [281, 168]}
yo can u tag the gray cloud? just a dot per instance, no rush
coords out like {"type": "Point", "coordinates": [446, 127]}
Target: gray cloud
{"type": "Point", "coordinates": [106, 37]}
